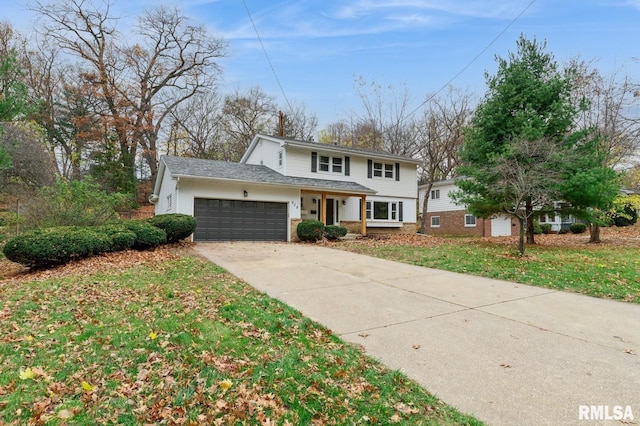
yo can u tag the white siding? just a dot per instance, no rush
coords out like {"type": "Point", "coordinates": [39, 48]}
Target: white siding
{"type": "Point", "coordinates": [167, 199]}
{"type": "Point", "coordinates": [266, 153]}
{"type": "Point", "coordinates": [442, 204]}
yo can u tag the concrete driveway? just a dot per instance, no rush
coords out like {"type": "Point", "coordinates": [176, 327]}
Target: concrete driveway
{"type": "Point", "coordinates": [509, 354]}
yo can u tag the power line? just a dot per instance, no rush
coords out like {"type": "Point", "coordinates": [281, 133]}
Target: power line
{"type": "Point", "coordinates": [273, 70]}
{"type": "Point", "coordinates": [475, 58]}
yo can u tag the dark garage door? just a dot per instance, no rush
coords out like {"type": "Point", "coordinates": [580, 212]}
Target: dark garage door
{"type": "Point", "coordinates": [227, 220]}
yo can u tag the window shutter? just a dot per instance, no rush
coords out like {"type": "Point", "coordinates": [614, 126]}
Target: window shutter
{"type": "Point", "coordinates": [314, 162]}
{"type": "Point", "coordinates": [397, 171]}
{"type": "Point", "coordinates": [347, 165]}
{"type": "Point", "coordinates": [369, 168]}
{"type": "Point", "coordinates": [400, 211]}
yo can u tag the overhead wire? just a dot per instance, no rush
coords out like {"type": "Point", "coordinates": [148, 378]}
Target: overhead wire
{"type": "Point", "coordinates": [266, 54]}
{"type": "Point", "coordinates": [475, 58]}
{"type": "Point", "coordinates": [429, 98]}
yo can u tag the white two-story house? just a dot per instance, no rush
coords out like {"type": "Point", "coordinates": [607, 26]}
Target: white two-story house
{"type": "Point", "coordinates": [280, 182]}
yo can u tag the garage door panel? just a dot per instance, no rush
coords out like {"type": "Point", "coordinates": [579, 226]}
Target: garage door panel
{"type": "Point", "coordinates": [225, 220]}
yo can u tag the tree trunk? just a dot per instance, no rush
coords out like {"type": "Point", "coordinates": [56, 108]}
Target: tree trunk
{"type": "Point", "coordinates": [530, 227]}
{"type": "Point", "coordinates": [594, 231]}
{"type": "Point", "coordinates": [425, 203]}
{"type": "Point", "coordinates": [521, 238]}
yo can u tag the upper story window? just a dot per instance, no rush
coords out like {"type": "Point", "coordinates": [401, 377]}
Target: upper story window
{"type": "Point", "coordinates": [383, 170]}
{"type": "Point", "coordinates": [280, 156]}
{"type": "Point", "coordinates": [336, 166]}
{"type": "Point", "coordinates": [435, 194]}
{"type": "Point", "coordinates": [330, 164]}
{"type": "Point", "coordinates": [323, 163]}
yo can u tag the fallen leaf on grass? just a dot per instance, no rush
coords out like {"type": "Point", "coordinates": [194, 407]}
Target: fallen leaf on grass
{"type": "Point", "coordinates": [226, 384]}
{"type": "Point", "coordinates": [87, 387]}
{"type": "Point", "coordinates": [65, 414]}
{"type": "Point", "coordinates": [26, 374]}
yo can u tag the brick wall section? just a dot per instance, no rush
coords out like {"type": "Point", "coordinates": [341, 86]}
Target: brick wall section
{"type": "Point", "coordinates": [452, 223]}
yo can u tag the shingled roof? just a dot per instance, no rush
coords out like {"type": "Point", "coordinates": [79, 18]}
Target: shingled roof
{"type": "Point", "coordinates": [224, 170]}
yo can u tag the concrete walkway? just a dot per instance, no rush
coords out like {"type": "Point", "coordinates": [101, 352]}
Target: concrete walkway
{"type": "Point", "coordinates": [509, 354]}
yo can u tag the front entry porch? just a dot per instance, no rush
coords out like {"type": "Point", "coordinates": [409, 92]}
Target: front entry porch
{"type": "Point", "coordinates": [331, 208]}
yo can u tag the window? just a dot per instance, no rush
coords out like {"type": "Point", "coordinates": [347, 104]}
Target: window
{"type": "Point", "coordinates": [388, 171]}
{"type": "Point", "coordinates": [383, 210]}
{"type": "Point", "coordinates": [377, 169]}
{"type": "Point", "coordinates": [337, 165]}
{"type": "Point", "coordinates": [301, 203]}
{"type": "Point", "coordinates": [435, 194]}
{"type": "Point", "coordinates": [380, 210]}
{"type": "Point", "coordinates": [324, 163]}
{"type": "Point", "coordinates": [169, 201]}
{"type": "Point", "coordinates": [435, 221]}
{"type": "Point", "coordinates": [280, 158]}
{"type": "Point", "coordinates": [469, 220]}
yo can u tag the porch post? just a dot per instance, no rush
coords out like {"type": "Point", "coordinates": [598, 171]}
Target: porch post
{"type": "Point", "coordinates": [323, 213]}
{"type": "Point", "coordinates": [363, 214]}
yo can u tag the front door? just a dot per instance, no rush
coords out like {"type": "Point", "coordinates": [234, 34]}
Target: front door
{"type": "Point", "coordinates": [330, 212]}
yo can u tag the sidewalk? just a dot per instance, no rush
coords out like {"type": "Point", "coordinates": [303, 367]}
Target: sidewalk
{"type": "Point", "coordinates": [509, 354]}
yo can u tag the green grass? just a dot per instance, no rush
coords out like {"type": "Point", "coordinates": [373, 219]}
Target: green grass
{"type": "Point", "coordinates": [608, 272]}
{"type": "Point", "coordinates": [185, 342]}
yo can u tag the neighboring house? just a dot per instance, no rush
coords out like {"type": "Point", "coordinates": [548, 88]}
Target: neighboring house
{"type": "Point", "coordinates": [444, 217]}
{"type": "Point", "coordinates": [279, 182]}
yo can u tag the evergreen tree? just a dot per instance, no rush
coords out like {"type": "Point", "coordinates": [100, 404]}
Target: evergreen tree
{"type": "Point", "coordinates": [512, 150]}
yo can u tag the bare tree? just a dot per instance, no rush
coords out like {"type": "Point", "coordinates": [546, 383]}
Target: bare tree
{"type": "Point", "coordinates": [609, 106]}
{"type": "Point", "coordinates": [529, 178]}
{"type": "Point", "coordinates": [32, 166]}
{"type": "Point", "coordinates": [387, 117]}
{"type": "Point", "coordinates": [244, 115]}
{"type": "Point", "coordinates": [440, 138]}
{"type": "Point", "coordinates": [138, 83]}
{"type": "Point", "coordinates": [196, 130]}
{"type": "Point", "coordinates": [298, 123]}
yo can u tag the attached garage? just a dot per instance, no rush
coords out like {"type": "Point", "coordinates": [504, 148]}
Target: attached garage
{"type": "Point", "coordinates": [240, 220]}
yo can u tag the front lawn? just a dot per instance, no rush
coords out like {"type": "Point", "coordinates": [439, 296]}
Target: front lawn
{"type": "Point", "coordinates": [564, 262]}
{"type": "Point", "coordinates": [162, 338]}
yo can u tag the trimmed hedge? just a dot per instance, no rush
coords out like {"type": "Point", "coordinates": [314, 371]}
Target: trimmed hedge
{"type": "Point", "coordinates": [121, 238]}
{"type": "Point", "coordinates": [147, 235]}
{"type": "Point", "coordinates": [46, 247]}
{"type": "Point", "coordinates": [577, 228]}
{"type": "Point", "coordinates": [55, 246]}
{"type": "Point", "coordinates": [333, 232]}
{"type": "Point", "coordinates": [177, 226]}
{"type": "Point", "coordinates": [310, 230]}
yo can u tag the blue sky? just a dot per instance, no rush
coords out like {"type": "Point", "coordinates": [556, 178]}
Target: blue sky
{"type": "Point", "coordinates": [319, 48]}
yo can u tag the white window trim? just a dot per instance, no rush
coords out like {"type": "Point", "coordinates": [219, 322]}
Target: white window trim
{"type": "Point", "coordinates": [432, 225]}
{"type": "Point", "coordinates": [468, 225]}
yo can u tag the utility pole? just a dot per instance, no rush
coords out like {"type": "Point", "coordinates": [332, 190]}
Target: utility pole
{"type": "Point", "coordinates": [281, 123]}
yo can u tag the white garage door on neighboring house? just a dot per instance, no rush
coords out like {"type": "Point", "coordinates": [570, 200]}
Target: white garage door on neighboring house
{"type": "Point", "coordinates": [239, 220]}
{"type": "Point", "coordinates": [501, 226]}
